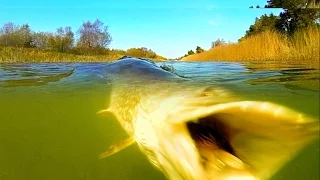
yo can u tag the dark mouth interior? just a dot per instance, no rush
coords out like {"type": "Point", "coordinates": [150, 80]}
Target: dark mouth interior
{"type": "Point", "coordinates": [210, 131]}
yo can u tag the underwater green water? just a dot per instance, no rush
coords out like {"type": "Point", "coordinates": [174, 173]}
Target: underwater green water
{"type": "Point", "coordinates": [49, 128]}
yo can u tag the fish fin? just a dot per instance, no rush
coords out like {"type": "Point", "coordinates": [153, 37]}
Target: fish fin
{"type": "Point", "coordinates": [104, 111]}
{"type": "Point", "coordinates": [117, 147]}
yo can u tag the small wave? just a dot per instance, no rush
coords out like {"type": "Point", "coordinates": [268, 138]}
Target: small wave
{"type": "Point", "coordinates": [15, 75]}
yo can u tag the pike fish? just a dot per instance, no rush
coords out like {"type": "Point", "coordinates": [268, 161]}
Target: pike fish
{"type": "Point", "coordinates": [194, 131]}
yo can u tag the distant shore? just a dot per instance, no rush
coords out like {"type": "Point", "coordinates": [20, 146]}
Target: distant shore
{"type": "Point", "coordinates": [32, 55]}
{"type": "Point", "coordinates": [302, 47]}
{"type": "Point", "coordinates": [19, 43]}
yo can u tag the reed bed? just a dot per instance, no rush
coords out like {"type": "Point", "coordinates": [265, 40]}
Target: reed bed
{"type": "Point", "coordinates": [302, 47]}
{"type": "Point", "coordinates": [12, 54]}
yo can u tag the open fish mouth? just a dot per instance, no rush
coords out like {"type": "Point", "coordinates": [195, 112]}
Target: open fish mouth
{"type": "Point", "coordinates": [245, 140]}
{"type": "Point", "coordinates": [217, 155]}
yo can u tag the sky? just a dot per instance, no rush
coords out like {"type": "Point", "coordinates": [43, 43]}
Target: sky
{"type": "Point", "coordinates": [168, 27]}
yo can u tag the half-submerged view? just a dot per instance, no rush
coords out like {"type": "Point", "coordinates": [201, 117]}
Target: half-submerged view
{"type": "Point", "coordinates": [76, 105]}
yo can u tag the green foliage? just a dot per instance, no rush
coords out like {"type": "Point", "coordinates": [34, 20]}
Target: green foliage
{"type": "Point", "coordinates": [118, 51]}
{"type": "Point", "coordinates": [289, 21]}
{"type": "Point", "coordinates": [265, 22]}
{"type": "Point", "coordinates": [141, 53]}
{"type": "Point", "coordinates": [190, 52]}
{"type": "Point", "coordinates": [94, 35]}
{"type": "Point", "coordinates": [290, 4]}
{"type": "Point", "coordinates": [93, 41]}
{"type": "Point", "coordinates": [24, 34]}
{"type": "Point", "coordinates": [257, 6]}
{"type": "Point", "coordinates": [199, 49]}
{"type": "Point", "coordinates": [302, 47]}
{"type": "Point", "coordinates": [40, 40]}
{"type": "Point", "coordinates": [13, 54]}
{"type": "Point", "coordinates": [62, 41]}
{"type": "Point", "coordinates": [179, 58]}
{"type": "Point", "coordinates": [79, 50]}
{"type": "Point", "coordinates": [13, 35]}
{"type": "Point", "coordinates": [297, 14]}
{"type": "Point", "coordinates": [292, 20]}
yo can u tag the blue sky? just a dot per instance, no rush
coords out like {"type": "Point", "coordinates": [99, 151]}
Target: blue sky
{"type": "Point", "coordinates": [168, 27]}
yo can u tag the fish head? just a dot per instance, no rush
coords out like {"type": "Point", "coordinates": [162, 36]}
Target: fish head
{"type": "Point", "coordinates": [208, 135]}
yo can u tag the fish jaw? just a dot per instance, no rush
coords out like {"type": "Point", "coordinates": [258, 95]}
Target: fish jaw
{"type": "Point", "coordinates": [181, 158]}
{"type": "Point", "coordinates": [255, 131]}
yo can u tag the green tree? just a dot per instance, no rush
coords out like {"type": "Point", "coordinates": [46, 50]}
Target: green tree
{"type": "Point", "coordinates": [13, 35]}
{"type": "Point", "coordinates": [265, 22]}
{"type": "Point", "coordinates": [25, 37]}
{"type": "Point", "coordinates": [190, 52]}
{"type": "Point", "coordinates": [292, 20]}
{"type": "Point", "coordinates": [40, 40]}
{"type": "Point", "coordinates": [142, 52]}
{"type": "Point", "coordinates": [7, 33]}
{"type": "Point", "coordinates": [94, 35]}
{"type": "Point", "coordinates": [290, 4]}
{"type": "Point", "coordinates": [62, 40]}
{"type": "Point", "coordinates": [296, 15]}
{"type": "Point", "coordinates": [199, 49]}
{"type": "Point", "coordinates": [118, 52]}
{"type": "Point", "coordinates": [135, 52]}
{"type": "Point", "coordinates": [151, 54]}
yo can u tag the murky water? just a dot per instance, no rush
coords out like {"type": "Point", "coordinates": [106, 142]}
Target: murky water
{"type": "Point", "coordinates": [49, 128]}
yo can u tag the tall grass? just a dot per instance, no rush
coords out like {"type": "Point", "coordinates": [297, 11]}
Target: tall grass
{"type": "Point", "coordinates": [12, 54]}
{"type": "Point", "coordinates": [303, 46]}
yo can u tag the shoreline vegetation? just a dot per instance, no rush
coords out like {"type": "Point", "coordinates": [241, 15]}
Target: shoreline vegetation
{"type": "Point", "coordinates": [18, 43]}
{"type": "Point", "coordinates": [302, 46]}
{"type": "Point", "coordinates": [32, 55]}
{"type": "Point", "coordinates": [293, 36]}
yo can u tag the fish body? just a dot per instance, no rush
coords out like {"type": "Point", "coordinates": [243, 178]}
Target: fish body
{"type": "Point", "coordinates": [194, 131]}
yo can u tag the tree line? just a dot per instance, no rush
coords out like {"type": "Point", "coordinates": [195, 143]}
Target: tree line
{"type": "Point", "coordinates": [297, 15]}
{"type": "Point", "coordinates": [94, 39]}
{"type": "Point", "coordinates": [198, 49]}
{"type": "Point", "coordinates": [291, 4]}
{"type": "Point", "coordinates": [190, 52]}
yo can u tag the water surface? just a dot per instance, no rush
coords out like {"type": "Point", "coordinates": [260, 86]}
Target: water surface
{"type": "Point", "coordinates": [49, 128]}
